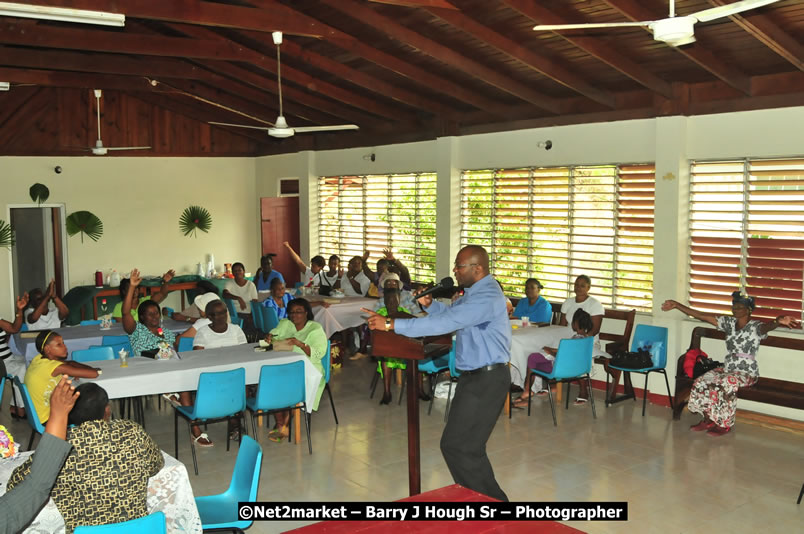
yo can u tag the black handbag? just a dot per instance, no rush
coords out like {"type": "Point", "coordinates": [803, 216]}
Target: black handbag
{"type": "Point", "coordinates": [703, 365]}
{"type": "Point", "coordinates": [632, 360]}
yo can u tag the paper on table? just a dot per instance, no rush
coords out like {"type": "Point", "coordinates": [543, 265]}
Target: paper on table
{"type": "Point", "coordinates": [29, 335]}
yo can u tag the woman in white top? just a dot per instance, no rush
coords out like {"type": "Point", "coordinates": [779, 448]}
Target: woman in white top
{"type": "Point", "coordinates": [331, 279]}
{"type": "Point", "coordinates": [243, 292]}
{"type": "Point", "coordinates": [590, 305]}
{"type": "Point", "coordinates": [14, 363]}
{"type": "Point", "coordinates": [219, 332]}
{"type": "Point", "coordinates": [355, 283]}
{"type": "Point", "coordinates": [39, 317]}
{"type": "Point", "coordinates": [310, 276]}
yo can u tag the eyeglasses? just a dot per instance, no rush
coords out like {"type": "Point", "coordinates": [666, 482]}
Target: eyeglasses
{"type": "Point", "coordinates": [461, 266]}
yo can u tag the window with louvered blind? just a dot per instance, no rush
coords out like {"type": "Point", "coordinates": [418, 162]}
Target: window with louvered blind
{"type": "Point", "coordinates": [747, 233]}
{"type": "Point", "coordinates": [375, 212]}
{"type": "Point", "coordinates": [556, 223]}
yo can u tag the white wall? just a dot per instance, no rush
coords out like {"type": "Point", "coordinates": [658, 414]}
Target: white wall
{"type": "Point", "coordinates": [139, 201]}
{"type": "Point", "coordinates": [670, 142]}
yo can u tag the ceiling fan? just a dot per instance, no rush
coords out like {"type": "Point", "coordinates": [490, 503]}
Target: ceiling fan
{"type": "Point", "coordinates": [675, 31]}
{"type": "Point", "coordinates": [280, 127]}
{"type": "Point", "coordinates": [99, 149]}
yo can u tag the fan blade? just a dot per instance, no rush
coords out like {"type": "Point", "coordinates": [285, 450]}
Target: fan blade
{"type": "Point", "coordinates": [732, 9]}
{"type": "Point", "coordinates": [558, 27]}
{"type": "Point", "coordinates": [335, 127]}
{"type": "Point", "coordinates": [264, 128]}
{"type": "Point", "coordinates": [127, 147]}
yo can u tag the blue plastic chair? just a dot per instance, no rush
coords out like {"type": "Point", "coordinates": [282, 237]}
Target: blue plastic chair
{"type": "Point", "coordinates": [454, 373]}
{"type": "Point", "coordinates": [152, 524]}
{"type": "Point", "coordinates": [434, 367]}
{"type": "Point", "coordinates": [30, 412]}
{"type": "Point", "coordinates": [220, 396]}
{"type": "Point", "coordinates": [256, 315]}
{"type": "Point", "coordinates": [573, 362]}
{"type": "Point", "coordinates": [646, 334]}
{"type": "Point", "coordinates": [326, 362]}
{"type": "Point", "coordinates": [116, 348]}
{"type": "Point", "coordinates": [24, 327]}
{"type": "Point", "coordinates": [114, 340]}
{"type": "Point", "coordinates": [185, 344]}
{"type": "Point", "coordinates": [232, 310]}
{"type": "Point", "coordinates": [104, 352]}
{"type": "Point", "coordinates": [281, 387]}
{"type": "Point", "coordinates": [269, 319]}
{"type": "Point", "coordinates": [88, 322]}
{"type": "Point", "coordinates": [220, 511]}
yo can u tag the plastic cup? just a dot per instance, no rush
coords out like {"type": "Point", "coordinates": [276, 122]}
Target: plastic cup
{"type": "Point", "coordinates": [525, 321]}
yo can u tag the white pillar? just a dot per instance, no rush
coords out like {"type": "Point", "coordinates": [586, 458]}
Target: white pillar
{"type": "Point", "coordinates": [448, 208]}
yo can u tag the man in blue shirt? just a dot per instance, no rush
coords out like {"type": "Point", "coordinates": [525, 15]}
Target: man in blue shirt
{"type": "Point", "coordinates": [482, 351]}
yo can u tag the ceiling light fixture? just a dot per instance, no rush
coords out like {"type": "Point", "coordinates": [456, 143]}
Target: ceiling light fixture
{"type": "Point", "coordinates": [82, 16]}
{"type": "Point", "coordinates": [5, 86]}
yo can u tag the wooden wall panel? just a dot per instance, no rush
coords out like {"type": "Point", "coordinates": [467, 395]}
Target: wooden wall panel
{"type": "Point", "coordinates": [57, 121]}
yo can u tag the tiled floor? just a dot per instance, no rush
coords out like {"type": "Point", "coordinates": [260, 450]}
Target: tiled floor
{"type": "Point", "coordinates": [674, 480]}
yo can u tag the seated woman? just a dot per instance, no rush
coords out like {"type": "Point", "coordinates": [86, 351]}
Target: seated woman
{"type": "Point", "coordinates": [243, 292]}
{"type": "Point", "coordinates": [201, 302]}
{"type": "Point", "coordinates": [144, 333]}
{"type": "Point", "coordinates": [714, 394]}
{"type": "Point", "coordinates": [39, 316]}
{"type": "Point", "coordinates": [594, 308]}
{"type": "Point", "coordinates": [14, 363]}
{"type": "Point", "coordinates": [220, 332]}
{"type": "Point", "coordinates": [309, 274]}
{"type": "Point", "coordinates": [303, 335]}
{"type": "Point", "coordinates": [534, 306]}
{"type": "Point", "coordinates": [192, 313]}
{"type": "Point", "coordinates": [47, 368]}
{"type": "Point", "coordinates": [391, 298]}
{"type": "Point", "coordinates": [136, 299]}
{"type": "Point", "coordinates": [331, 278]}
{"type": "Point", "coordinates": [543, 361]}
{"type": "Point", "coordinates": [279, 298]}
{"type": "Point", "coordinates": [264, 276]}
{"type": "Point", "coordinates": [354, 282]}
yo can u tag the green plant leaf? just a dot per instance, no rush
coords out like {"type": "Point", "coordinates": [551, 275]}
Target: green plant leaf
{"type": "Point", "coordinates": [195, 218]}
{"type": "Point", "coordinates": [39, 193]}
{"type": "Point", "coordinates": [6, 235]}
{"type": "Point", "coordinates": [84, 223]}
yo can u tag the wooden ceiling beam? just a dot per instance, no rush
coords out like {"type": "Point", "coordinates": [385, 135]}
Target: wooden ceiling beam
{"type": "Point", "coordinates": [696, 52]}
{"type": "Point", "coordinates": [35, 108]}
{"type": "Point", "coordinates": [594, 47]}
{"type": "Point", "coordinates": [100, 63]}
{"type": "Point", "coordinates": [542, 64]}
{"type": "Point", "coordinates": [410, 71]}
{"type": "Point", "coordinates": [768, 33]}
{"type": "Point", "coordinates": [269, 64]}
{"type": "Point", "coordinates": [46, 36]}
{"type": "Point", "coordinates": [278, 18]}
{"type": "Point", "coordinates": [443, 53]}
{"type": "Point", "coordinates": [417, 3]}
{"type": "Point", "coordinates": [52, 78]}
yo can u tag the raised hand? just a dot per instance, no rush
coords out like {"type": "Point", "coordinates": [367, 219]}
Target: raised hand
{"type": "Point", "coordinates": [366, 255]}
{"type": "Point", "coordinates": [668, 305]}
{"type": "Point", "coordinates": [22, 301]}
{"type": "Point", "coordinates": [63, 397]}
{"type": "Point", "coordinates": [51, 289]}
{"type": "Point", "coordinates": [788, 321]}
{"type": "Point", "coordinates": [287, 245]}
{"type": "Point", "coordinates": [168, 276]}
{"type": "Point", "coordinates": [135, 277]}
{"type": "Point", "coordinates": [388, 253]}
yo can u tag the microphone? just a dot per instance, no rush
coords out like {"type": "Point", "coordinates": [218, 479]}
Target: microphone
{"type": "Point", "coordinates": [445, 283]}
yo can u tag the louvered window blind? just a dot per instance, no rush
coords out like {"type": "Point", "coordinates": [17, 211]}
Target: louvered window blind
{"type": "Point", "coordinates": [374, 212]}
{"type": "Point", "coordinates": [556, 223]}
{"type": "Point", "coordinates": [747, 233]}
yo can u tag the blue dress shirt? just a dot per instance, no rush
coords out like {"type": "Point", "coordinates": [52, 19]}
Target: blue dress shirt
{"type": "Point", "coordinates": [540, 312]}
{"type": "Point", "coordinates": [281, 313]}
{"type": "Point", "coordinates": [265, 285]}
{"type": "Point", "coordinates": [481, 320]}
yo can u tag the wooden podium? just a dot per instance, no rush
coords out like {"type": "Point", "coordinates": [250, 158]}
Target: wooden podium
{"type": "Point", "coordinates": [392, 345]}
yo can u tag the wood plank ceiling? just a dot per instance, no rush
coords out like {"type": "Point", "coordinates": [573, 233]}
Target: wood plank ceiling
{"type": "Point", "coordinates": [403, 70]}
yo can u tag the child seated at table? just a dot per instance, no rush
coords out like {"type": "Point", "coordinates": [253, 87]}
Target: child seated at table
{"type": "Point", "coordinates": [543, 361]}
{"type": "Point", "coordinates": [47, 368]}
{"type": "Point", "coordinates": [105, 477]}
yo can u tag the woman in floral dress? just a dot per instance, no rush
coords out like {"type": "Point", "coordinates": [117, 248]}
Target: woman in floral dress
{"type": "Point", "coordinates": [714, 394]}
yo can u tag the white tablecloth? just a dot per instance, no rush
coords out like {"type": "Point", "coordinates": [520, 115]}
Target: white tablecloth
{"type": "Point", "coordinates": [145, 376]}
{"type": "Point", "coordinates": [343, 315]}
{"type": "Point", "coordinates": [169, 491]}
{"type": "Point", "coordinates": [525, 341]}
{"type": "Point", "coordinates": [81, 337]}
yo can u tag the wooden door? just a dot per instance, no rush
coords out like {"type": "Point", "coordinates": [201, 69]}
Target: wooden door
{"type": "Point", "coordinates": [280, 223]}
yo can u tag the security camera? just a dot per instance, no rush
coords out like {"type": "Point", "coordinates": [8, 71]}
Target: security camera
{"type": "Point", "coordinates": [57, 169]}
{"type": "Point", "coordinates": [373, 157]}
{"type": "Point", "coordinates": [548, 145]}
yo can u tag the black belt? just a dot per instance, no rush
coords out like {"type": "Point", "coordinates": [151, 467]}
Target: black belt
{"type": "Point", "coordinates": [483, 369]}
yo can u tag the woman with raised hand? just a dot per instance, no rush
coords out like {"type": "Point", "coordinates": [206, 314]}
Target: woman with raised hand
{"type": "Point", "coordinates": [714, 394]}
{"type": "Point", "coordinates": [14, 363]}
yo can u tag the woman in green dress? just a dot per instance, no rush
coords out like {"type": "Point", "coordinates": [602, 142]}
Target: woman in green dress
{"type": "Point", "coordinates": [301, 334]}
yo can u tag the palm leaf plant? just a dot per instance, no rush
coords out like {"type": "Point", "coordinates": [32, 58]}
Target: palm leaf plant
{"type": "Point", "coordinates": [39, 193]}
{"type": "Point", "coordinates": [84, 223]}
{"type": "Point", "coordinates": [193, 219]}
{"type": "Point", "coordinates": [6, 235]}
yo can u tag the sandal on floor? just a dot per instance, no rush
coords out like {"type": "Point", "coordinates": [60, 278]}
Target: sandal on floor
{"type": "Point", "coordinates": [579, 401]}
{"type": "Point", "coordinates": [172, 398]}
{"type": "Point", "coordinates": [202, 440]}
{"type": "Point", "coordinates": [718, 431]}
{"type": "Point", "coordinates": [541, 393]}
{"type": "Point", "coordinates": [279, 434]}
{"type": "Point", "coordinates": [703, 425]}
